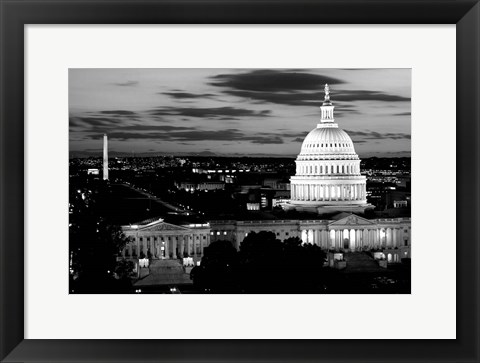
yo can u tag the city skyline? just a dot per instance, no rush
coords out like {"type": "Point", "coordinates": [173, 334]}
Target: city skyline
{"type": "Point", "coordinates": [239, 112]}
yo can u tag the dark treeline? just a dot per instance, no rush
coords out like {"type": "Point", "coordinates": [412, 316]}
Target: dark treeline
{"type": "Point", "coordinates": [94, 244]}
{"type": "Point", "coordinates": [263, 264]}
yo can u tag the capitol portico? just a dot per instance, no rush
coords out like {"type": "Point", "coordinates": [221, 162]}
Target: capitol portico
{"type": "Point", "coordinates": [328, 169]}
{"type": "Point", "coordinates": [157, 239]}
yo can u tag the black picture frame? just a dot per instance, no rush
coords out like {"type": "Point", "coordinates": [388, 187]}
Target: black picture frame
{"type": "Point", "coordinates": [15, 14]}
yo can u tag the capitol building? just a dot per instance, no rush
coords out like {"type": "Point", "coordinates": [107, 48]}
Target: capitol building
{"type": "Point", "coordinates": [328, 201]}
{"type": "Point", "coordinates": [328, 169]}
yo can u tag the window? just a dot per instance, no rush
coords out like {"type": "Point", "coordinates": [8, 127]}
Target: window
{"type": "Point", "coordinates": [218, 233]}
{"type": "Point", "coordinates": [224, 233]}
{"type": "Point", "coordinates": [211, 233]}
{"type": "Point", "coordinates": [204, 237]}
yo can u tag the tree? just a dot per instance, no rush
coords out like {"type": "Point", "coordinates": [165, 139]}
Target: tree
{"type": "Point", "coordinates": [264, 264]}
{"type": "Point", "coordinates": [124, 269]}
{"type": "Point", "coordinates": [261, 259]}
{"type": "Point", "coordinates": [217, 271]}
{"type": "Point", "coordinates": [269, 265]}
{"type": "Point", "coordinates": [94, 247]}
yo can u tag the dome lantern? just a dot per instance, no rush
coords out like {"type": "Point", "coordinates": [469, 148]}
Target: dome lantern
{"type": "Point", "coordinates": [326, 108]}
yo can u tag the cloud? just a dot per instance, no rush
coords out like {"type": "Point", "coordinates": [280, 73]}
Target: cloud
{"type": "Point", "coordinates": [134, 131]}
{"type": "Point", "coordinates": [376, 135]}
{"type": "Point", "coordinates": [191, 135]}
{"type": "Point", "coordinates": [389, 154]}
{"type": "Point", "coordinates": [363, 95]}
{"type": "Point", "coordinates": [265, 140]}
{"type": "Point", "coordinates": [154, 128]}
{"type": "Point", "coordinates": [92, 121]}
{"type": "Point", "coordinates": [127, 83]}
{"type": "Point", "coordinates": [273, 81]}
{"type": "Point", "coordinates": [209, 112]}
{"type": "Point", "coordinates": [119, 113]}
{"type": "Point", "coordinates": [291, 99]}
{"type": "Point", "coordinates": [292, 88]}
{"type": "Point", "coordinates": [315, 98]}
{"type": "Point", "coordinates": [187, 95]}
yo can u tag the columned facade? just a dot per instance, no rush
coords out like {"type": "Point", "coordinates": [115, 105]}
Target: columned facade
{"type": "Point", "coordinates": [160, 240]}
{"type": "Point", "coordinates": [348, 232]}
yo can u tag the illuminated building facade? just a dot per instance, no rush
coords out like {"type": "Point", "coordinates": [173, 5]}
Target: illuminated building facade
{"type": "Point", "coordinates": [328, 169]}
{"type": "Point", "coordinates": [344, 231]}
{"type": "Point", "coordinates": [157, 239]}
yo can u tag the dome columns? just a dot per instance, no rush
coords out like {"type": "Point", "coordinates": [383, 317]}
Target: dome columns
{"type": "Point", "coordinates": [345, 192]}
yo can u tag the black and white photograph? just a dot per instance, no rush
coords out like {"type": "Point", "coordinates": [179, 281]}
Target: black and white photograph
{"type": "Point", "coordinates": [239, 181]}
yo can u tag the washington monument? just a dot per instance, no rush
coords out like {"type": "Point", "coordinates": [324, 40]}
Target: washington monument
{"type": "Point", "coordinates": [105, 157]}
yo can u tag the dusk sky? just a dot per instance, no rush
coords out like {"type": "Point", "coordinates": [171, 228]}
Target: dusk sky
{"type": "Point", "coordinates": [256, 112]}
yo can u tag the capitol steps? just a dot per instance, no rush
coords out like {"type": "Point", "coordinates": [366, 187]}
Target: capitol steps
{"type": "Point", "coordinates": [165, 272]}
{"type": "Point", "coordinates": [360, 262]}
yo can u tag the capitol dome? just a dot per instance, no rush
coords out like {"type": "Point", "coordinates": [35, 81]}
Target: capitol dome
{"type": "Point", "coordinates": [328, 141]}
{"type": "Point", "coordinates": [327, 174]}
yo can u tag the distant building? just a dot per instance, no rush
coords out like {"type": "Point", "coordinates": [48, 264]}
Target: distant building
{"type": "Point", "coordinates": [404, 181]}
{"type": "Point", "coordinates": [93, 172]}
{"type": "Point", "coordinates": [400, 204]}
{"type": "Point", "coordinates": [202, 186]}
{"type": "Point", "coordinates": [255, 197]}
{"type": "Point", "coordinates": [398, 199]}
{"type": "Point", "coordinates": [206, 186]}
